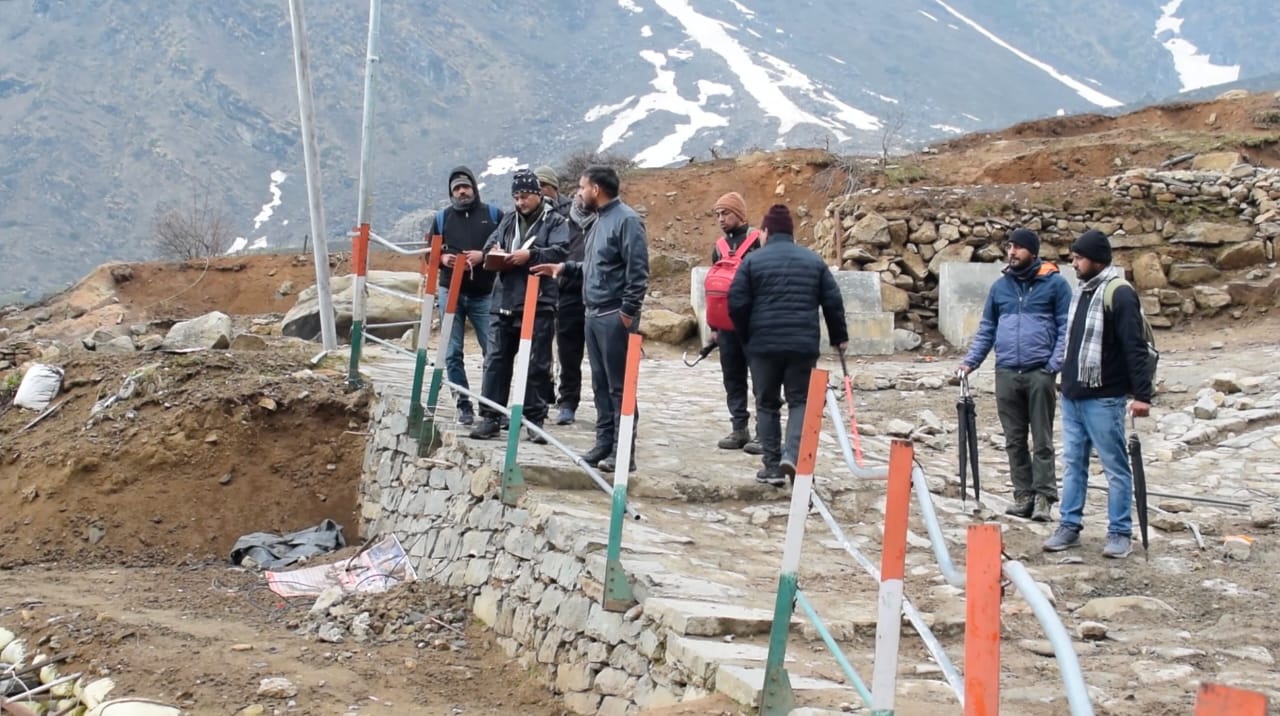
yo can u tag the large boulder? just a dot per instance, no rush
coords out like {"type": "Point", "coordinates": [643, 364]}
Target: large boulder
{"type": "Point", "coordinates": [871, 230]}
{"type": "Point", "coordinates": [1148, 272]}
{"type": "Point", "coordinates": [1244, 255]}
{"type": "Point", "coordinates": [212, 330]}
{"type": "Point", "coordinates": [303, 320]}
{"type": "Point", "coordinates": [663, 326]}
{"type": "Point", "coordinates": [1208, 233]}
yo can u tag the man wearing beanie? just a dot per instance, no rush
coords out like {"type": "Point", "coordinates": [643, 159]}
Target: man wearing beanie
{"type": "Point", "coordinates": [465, 226]}
{"type": "Point", "coordinates": [774, 302]}
{"type": "Point", "coordinates": [739, 240]}
{"type": "Point", "coordinates": [570, 316]}
{"type": "Point", "coordinates": [1107, 359]}
{"type": "Point", "coordinates": [615, 278]}
{"type": "Point", "coordinates": [532, 234]}
{"type": "Point", "coordinates": [1025, 320]}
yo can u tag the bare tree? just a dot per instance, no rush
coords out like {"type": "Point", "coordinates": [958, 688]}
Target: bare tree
{"type": "Point", "coordinates": [190, 229]}
{"type": "Point", "coordinates": [893, 125]}
{"type": "Point", "coordinates": [572, 167]}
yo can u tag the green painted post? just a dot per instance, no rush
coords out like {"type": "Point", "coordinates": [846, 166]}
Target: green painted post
{"type": "Point", "coordinates": [777, 698]}
{"type": "Point", "coordinates": [618, 595]}
{"type": "Point", "coordinates": [360, 261]}
{"type": "Point", "coordinates": [431, 263]}
{"type": "Point", "coordinates": [513, 486]}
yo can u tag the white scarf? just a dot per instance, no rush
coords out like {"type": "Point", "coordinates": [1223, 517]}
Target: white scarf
{"type": "Point", "coordinates": [1089, 359]}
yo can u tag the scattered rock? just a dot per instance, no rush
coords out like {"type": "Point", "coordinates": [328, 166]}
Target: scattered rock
{"type": "Point", "coordinates": [248, 342]}
{"type": "Point", "coordinates": [277, 687]}
{"type": "Point", "coordinates": [210, 331]}
{"type": "Point", "coordinates": [663, 326]}
{"type": "Point", "coordinates": [1262, 515]}
{"type": "Point", "coordinates": [1108, 607]}
{"type": "Point", "coordinates": [1092, 631]}
{"type": "Point", "coordinates": [904, 340]}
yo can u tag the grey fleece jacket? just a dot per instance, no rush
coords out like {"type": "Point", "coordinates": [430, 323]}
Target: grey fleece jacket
{"type": "Point", "coordinates": [615, 265]}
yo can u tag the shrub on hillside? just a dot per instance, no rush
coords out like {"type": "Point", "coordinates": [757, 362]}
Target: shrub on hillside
{"type": "Point", "coordinates": [573, 166]}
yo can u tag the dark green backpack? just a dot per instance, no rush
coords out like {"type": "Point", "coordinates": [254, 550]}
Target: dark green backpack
{"type": "Point", "coordinates": [1148, 336]}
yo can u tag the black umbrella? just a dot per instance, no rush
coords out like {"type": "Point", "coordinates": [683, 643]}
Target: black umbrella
{"type": "Point", "coordinates": [706, 351]}
{"type": "Point", "coordinates": [1139, 481]}
{"type": "Point", "coordinates": [967, 418]}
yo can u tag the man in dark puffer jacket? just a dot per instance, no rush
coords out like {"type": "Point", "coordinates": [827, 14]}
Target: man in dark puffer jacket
{"type": "Point", "coordinates": [773, 304]}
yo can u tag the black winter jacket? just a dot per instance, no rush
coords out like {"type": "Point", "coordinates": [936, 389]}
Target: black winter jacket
{"type": "Point", "coordinates": [775, 297]}
{"type": "Point", "coordinates": [550, 233]}
{"type": "Point", "coordinates": [1124, 350]}
{"type": "Point", "coordinates": [615, 265]}
{"type": "Point", "coordinates": [467, 230]}
{"type": "Point", "coordinates": [571, 284]}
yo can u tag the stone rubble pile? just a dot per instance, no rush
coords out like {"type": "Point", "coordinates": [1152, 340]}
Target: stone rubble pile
{"type": "Point", "coordinates": [1175, 231]}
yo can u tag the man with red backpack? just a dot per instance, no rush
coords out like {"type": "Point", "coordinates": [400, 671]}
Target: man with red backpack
{"type": "Point", "coordinates": [738, 240]}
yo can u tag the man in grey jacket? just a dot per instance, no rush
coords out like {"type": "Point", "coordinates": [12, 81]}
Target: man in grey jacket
{"type": "Point", "coordinates": [615, 279]}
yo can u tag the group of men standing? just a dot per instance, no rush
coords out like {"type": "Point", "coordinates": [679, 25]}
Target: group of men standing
{"type": "Point", "coordinates": [592, 256]}
{"type": "Point", "coordinates": [591, 251]}
{"type": "Point", "coordinates": [1088, 347]}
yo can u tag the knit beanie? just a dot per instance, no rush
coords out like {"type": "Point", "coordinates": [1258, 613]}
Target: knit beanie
{"type": "Point", "coordinates": [1093, 245]}
{"type": "Point", "coordinates": [1027, 239]}
{"type": "Point", "coordinates": [525, 182]}
{"type": "Point", "coordinates": [734, 204]}
{"type": "Point", "coordinates": [778, 220]}
{"type": "Point", "coordinates": [547, 175]}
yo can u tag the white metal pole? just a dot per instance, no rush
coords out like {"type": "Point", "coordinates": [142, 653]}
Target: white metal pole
{"type": "Point", "coordinates": [311, 159]}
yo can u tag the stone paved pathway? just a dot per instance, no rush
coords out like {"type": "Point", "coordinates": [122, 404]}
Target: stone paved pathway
{"type": "Point", "coordinates": [711, 535]}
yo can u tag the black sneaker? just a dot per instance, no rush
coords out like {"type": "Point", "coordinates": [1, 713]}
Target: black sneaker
{"type": "Point", "coordinates": [535, 438]}
{"type": "Point", "coordinates": [466, 416]}
{"type": "Point", "coordinates": [488, 428]}
{"type": "Point", "coordinates": [504, 423]}
{"type": "Point", "coordinates": [596, 454]}
{"type": "Point", "coordinates": [771, 476]}
{"type": "Point", "coordinates": [610, 464]}
{"type": "Point", "coordinates": [753, 447]}
{"type": "Point", "coordinates": [788, 469]}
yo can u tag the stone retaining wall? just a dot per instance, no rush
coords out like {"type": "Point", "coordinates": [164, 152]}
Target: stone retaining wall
{"type": "Point", "coordinates": [1174, 231]}
{"type": "Point", "coordinates": [533, 572]}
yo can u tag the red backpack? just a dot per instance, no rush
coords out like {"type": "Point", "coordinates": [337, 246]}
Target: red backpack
{"type": "Point", "coordinates": [720, 278]}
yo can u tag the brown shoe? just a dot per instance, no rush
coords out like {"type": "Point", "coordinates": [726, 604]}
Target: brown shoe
{"type": "Point", "coordinates": [1022, 506]}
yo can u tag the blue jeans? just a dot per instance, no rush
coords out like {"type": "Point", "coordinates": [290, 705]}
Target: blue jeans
{"type": "Point", "coordinates": [1097, 423]}
{"type": "Point", "coordinates": [476, 310]}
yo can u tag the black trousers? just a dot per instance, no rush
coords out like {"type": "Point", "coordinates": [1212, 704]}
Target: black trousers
{"type": "Point", "coordinates": [773, 377]}
{"type": "Point", "coordinates": [607, 351]}
{"type": "Point", "coordinates": [499, 365]}
{"type": "Point", "coordinates": [570, 347]}
{"type": "Point", "coordinates": [734, 369]}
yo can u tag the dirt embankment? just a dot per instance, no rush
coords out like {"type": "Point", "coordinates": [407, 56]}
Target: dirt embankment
{"type": "Point", "coordinates": [209, 447]}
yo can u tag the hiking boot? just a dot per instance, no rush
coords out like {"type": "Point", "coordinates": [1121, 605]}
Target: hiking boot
{"type": "Point", "coordinates": [593, 456]}
{"type": "Point", "coordinates": [1118, 547]}
{"type": "Point", "coordinates": [1022, 506]}
{"type": "Point", "coordinates": [771, 476]}
{"type": "Point", "coordinates": [565, 416]}
{"type": "Point", "coordinates": [534, 438]}
{"type": "Point", "coordinates": [466, 416]}
{"type": "Point", "coordinates": [488, 428]}
{"type": "Point", "coordinates": [610, 464]}
{"type": "Point", "coordinates": [753, 447]}
{"type": "Point", "coordinates": [1043, 511]}
{"type": "Point", "coordinates": [1065, 537]}
{"type": "Point", "coordinates": [735, 440]}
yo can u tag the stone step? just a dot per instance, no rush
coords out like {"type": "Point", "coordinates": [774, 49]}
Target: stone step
{"type": "Point", "coordinates": [744, 684]}
{"type": "Point", "coordinates": [703, 657]}
{"type": "Point", "coordinates": [694, 618]}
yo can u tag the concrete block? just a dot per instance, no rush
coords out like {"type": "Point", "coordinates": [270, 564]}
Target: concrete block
{"type": "Point", "coordinates": [743, 684]}
{"type": "Point", "coordinates": [701, 657]}
{"type": "Point", "coordinates": [870, 334]}
{"type": "Point", "coordinates": [962, 294]}
{"type": "Point", "coordinates": [693, 618]}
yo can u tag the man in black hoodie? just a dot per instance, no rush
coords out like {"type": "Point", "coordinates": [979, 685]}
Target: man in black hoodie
{"type": "Point", "coordinates": [773, 304]}
{"type": "Point", "coordinates": [532, 234]}
{"type": "Point", "coordinates": [465, 226]}
{"type": "Point", "coordinates": [570, 315]}
{"type": "Point", "coordinates": [1107, 359]}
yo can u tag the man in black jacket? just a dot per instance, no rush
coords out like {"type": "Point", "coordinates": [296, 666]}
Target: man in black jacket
{"type": "Point", "coordinates": [773, 304]}
{"type": "Point", "coordinates": [615, 278]}
{"type": "Point", "coordinates": [731, 214]}
{"type": "Point", "coordinates": [1107, 359]}
{"type": "Point", "coordinates": [570, 315]}
{"type": "Point", "coordinates": [465, 226]}
{"type": "Point", "coordinates": [533, 234]}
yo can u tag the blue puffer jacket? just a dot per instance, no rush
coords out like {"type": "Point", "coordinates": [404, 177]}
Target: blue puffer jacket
{"type": "Point", "coordinates": [1025, 321]}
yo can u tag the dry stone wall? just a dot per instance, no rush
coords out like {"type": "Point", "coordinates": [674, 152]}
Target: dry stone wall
{"type": "Point", "coordinates": [533, 572]}
{"type": "Point", "coordinates": [1176, 233]}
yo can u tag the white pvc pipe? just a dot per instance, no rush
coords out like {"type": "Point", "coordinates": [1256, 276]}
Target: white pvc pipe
{"type": "Point", "coordinates": [1063, 649]}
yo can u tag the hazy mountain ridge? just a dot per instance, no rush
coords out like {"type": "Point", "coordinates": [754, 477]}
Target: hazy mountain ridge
{"type": "Point", "coordinates": [109, 107]}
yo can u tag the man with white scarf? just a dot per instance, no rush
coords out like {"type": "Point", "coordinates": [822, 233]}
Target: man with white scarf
{"type": "Point", "coordinates": [1106, 362]}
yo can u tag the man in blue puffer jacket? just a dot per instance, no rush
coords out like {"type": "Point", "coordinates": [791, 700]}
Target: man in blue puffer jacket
{"type": "Point", "coordinates": [1025, 320]}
